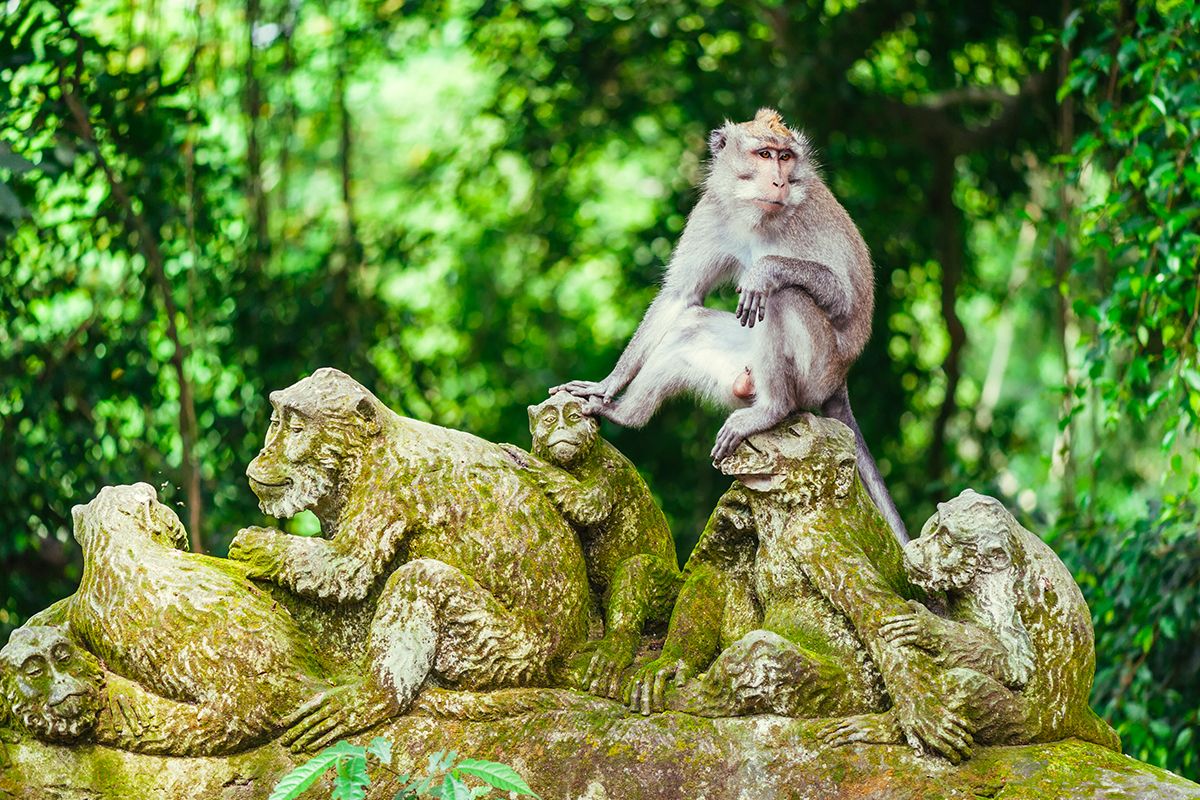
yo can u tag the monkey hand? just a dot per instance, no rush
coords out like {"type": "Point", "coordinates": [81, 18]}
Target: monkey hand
{"type": "Point", "coordinates": [605, 389]}
{"type": "Point", "coordinates": [922, 628]}
{"type": "Point", "coordinates": [752, 305]}
{"type": "Point", "coordinates": [647, 689]}
{"type": "Point", "coordinates": [262, 549]}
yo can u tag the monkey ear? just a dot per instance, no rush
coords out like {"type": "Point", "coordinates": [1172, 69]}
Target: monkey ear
{"type": "Point", "coordinates": [716, 141]}
{"type": "Point", "coordinates": [366, 409]}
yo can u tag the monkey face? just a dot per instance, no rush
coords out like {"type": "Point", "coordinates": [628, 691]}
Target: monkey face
{"type": "Point", "coordinates": [129, 511]}
{"type": "Point", "coordinates": [53, 688]}
{"type": "Point", "coordinates": [762, 163]}
{"type": "Point", "coordinates": [562, 433]}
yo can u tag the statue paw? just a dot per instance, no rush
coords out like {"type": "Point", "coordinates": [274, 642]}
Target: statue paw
{"type": "Point", "coordinates": [866, 728]}
{"type": "Point", "coordinates": [335, 714]}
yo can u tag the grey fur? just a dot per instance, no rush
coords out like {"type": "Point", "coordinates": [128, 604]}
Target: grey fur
{"type": "Point", "coordinates": [805, 276]}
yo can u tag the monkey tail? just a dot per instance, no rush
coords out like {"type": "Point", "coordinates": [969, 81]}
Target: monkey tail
{"type": "Point", "coordinates": [838, 407]}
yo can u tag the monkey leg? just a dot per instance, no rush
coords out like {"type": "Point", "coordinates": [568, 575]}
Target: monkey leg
{"type": "Point", "coordinates": [765, 673]}
{"type": "Point", "coordinates": [794, 362]}
{"type": "Point", "coordinates": [704, 354]}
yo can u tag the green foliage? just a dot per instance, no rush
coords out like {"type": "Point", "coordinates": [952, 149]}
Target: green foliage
{"type": "Point", "coordinates": [445, 777]}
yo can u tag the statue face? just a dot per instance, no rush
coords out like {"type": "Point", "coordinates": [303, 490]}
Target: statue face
{"type": "Point", "coordinates": [317, 424]}
{"type": "Point", "coordinates": [52, 687]}
{"type": "Point", "coordinates": [811, 458]}
{"type": "Point", "coordinates": [561, 431]}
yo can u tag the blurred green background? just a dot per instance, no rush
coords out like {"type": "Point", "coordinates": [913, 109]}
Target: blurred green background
{"type": "Point", "coordinates": [463, 203]}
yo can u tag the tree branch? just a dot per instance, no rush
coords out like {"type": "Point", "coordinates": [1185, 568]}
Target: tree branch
{"type": "Point", "coordinates": [148, 244]}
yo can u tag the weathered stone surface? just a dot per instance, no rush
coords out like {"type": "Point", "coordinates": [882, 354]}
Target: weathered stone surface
{"type": "Point", "coordinates": [602, 753]}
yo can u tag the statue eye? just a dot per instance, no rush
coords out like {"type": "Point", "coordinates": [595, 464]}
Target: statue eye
{"type": "Point", "coordinates": [61, 653]}
{"type": "Point", "coordinates": [34, 668]}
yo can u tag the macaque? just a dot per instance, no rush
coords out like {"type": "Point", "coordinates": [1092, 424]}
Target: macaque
{"type": "Point", "coordinates": [767, 221]}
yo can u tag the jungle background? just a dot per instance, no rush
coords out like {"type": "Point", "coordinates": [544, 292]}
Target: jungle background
{"type": "Point", "coordinates": [463, 202]}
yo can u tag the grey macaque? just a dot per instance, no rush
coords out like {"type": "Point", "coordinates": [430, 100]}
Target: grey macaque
{"type": "Point", "coordinates": [806, 282]}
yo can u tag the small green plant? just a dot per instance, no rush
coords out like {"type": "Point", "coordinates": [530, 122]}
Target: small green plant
{"type": "Point", "coordinates": [444, 779]}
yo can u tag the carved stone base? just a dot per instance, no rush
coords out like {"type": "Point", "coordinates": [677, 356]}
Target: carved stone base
{"type": "Point", "coordinates": [601, 753]}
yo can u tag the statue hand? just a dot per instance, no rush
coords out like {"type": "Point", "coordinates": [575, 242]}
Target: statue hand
{"type": "Point", "coordinates": [927, 724]}
{"type": "Point", "coordinates": [869, 728]}
{"type": "Point", "coordinates": [335, 714]}
{"type": "Point", "coordinates": [603, 674]}
{"type": "Point", "coordinates": [647, 689]}
{"type": "Point", "coordinates": [921, 628]}
{"type": "Point", "coordinates": [261, 548]}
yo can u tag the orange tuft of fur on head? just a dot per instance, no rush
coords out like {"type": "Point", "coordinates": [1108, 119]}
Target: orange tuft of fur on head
{"type": "Point", "coordinates": [771, 120]}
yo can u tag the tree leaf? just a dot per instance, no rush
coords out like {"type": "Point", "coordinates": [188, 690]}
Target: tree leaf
{"type": "Point", "coordinates": [499, 775]}
{"type": "Point", "coordinates": [303, 776]}
{"type": "Point", "coordinates": [381, 748]}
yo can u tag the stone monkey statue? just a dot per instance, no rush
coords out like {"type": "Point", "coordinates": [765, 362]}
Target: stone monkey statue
{"type": "Point", "coordinates": [785, 595]}
{"type": "Point", "coordinates": [627, 545]}
{"type": "Point", "coordinates": [767, 221]}
{"type": "Point", "coordinates": [1016, 652]}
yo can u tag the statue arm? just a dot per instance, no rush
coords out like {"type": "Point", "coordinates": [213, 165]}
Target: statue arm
{"type": "Point", "coordinates": [582, 503]}
{"type": "Point", "coordinates": [140, 721]}
{"type": "Point", "coordinates": [850, 581]}
{"type": "Point", "coordinates": [342, 569]}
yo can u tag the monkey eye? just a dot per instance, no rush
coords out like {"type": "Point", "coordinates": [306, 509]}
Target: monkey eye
{"type": "Point", "coordinates": [785, 156]}
{"type": "Point", "coordinates": [765, 153]}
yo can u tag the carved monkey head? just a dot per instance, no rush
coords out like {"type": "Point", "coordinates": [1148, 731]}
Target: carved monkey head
{"type": "Point", "coordinates": [562, 433]}
{"type": "Point", "coordinates": [52, 688]}
{"type": "Point", "coordinates": [968, 536]}
{"type": "Point", "coordinates": [131, 513]}
{"type": "Point", "coordinates": [809, 458]}
{"type": "Point", "coordinates": [317, 426]}
{"type": "Point", "coordinates": [761, 168]}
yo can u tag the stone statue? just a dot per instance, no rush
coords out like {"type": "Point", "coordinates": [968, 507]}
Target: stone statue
{"type": "Point", "coordinates": [786, 595]}
{"type": "Point", "coordinates": [1016, 648]}
{"type": "Point", "coordinates": [198, 661]}
{"type": "Point", "coordinates": [486, 582]}
{"type": "Point", "coordinates": [627, 545]}
{"type": "Point", "coordinates": [451, 592]}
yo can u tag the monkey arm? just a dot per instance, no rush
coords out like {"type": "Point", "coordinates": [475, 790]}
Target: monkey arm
{"type": "Point", "coordinates": [768, 274]}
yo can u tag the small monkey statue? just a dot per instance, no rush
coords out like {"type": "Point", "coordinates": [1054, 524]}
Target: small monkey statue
{"type": "Point", "coordinates": [627, 545]}
{"type": "Point", "coordinates": [807, 287]}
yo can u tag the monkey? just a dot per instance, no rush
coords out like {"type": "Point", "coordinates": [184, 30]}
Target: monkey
{"type": "Point", "coordinates": [627, 544]}
{"type": "Point", "coordinates": [806, 285]}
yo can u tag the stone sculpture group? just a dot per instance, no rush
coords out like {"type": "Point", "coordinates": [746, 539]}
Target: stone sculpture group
{"type": "Point", "coordinates": [450, 568]}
